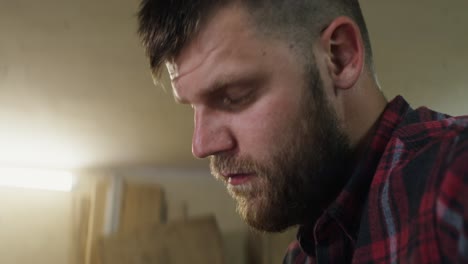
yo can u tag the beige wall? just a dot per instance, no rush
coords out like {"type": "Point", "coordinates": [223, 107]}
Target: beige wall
{"type": "Point", "coordinates": [421, 50]}
{"type": "Point", "coordinates": [35, 226]}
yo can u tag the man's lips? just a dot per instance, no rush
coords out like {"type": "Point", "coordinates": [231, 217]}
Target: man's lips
{"type": "Point", "coordinates": [238, 178]}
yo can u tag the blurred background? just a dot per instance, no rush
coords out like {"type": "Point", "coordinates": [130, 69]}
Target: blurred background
{"type": "Point", "coordinates": [106, 156]}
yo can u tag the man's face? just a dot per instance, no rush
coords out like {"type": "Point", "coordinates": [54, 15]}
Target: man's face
{"type": "Point", "coordinates": [271, 138]}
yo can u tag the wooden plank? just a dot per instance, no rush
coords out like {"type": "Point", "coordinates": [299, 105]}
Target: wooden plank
{"type": "Point", "coordinates": [197, 241]}
{"type": "Point", "coordinates": [81, 215]}
{"type": "Point", "coordinates": [96, 220]}
{"type": "Point", "coordinates": [142, 205]}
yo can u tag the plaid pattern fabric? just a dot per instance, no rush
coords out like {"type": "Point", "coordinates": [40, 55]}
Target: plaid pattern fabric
{"type": "Point", "coordinates": [406, 201]}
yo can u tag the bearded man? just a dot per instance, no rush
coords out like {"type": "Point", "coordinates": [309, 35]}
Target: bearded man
{"type": "Point", "coordinates": [288, 109]}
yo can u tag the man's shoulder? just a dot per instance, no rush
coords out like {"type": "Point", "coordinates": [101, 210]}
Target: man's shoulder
{"type": "Point", "coordinates": [423, 145]}
{"type": "Point", "coordinates": [426, 135]}
{"type": "Point", "coordinates": [423, 153]}
{"type": "Point", "coordinates": [419, 194]}
{"type": "Point", "coordinates": [426, 125]}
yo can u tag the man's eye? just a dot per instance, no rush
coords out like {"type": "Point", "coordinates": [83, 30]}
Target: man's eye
{"type": "Point", "coordinates": [228, 101]}
{"type": "Point", "coordinates": [233, 101]}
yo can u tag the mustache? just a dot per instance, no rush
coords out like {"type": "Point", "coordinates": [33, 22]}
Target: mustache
{"type": "Point", "coordinates": [223, 164]}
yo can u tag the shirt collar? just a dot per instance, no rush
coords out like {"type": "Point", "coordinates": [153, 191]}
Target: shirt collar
{"type": "Point", "coordinates": [347, 208]}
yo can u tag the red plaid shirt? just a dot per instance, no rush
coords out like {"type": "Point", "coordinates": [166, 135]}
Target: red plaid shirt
{"type": "Point", "coordinates": [407, 200]}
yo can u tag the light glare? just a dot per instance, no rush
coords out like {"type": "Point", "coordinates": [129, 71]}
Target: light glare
{"type": "Point", "coordinates": [36, 179]}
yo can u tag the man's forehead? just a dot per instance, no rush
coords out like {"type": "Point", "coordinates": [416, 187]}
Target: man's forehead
{"type": "Point", "coordinates": [190, 57]}
{"type": "Point", "coordinates": [229, 42]}
{"type": "Point", "coordinates": [223, 28]}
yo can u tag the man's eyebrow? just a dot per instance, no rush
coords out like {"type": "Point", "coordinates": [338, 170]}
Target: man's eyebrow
{"type": "Point", "coordinates": [219, 85]}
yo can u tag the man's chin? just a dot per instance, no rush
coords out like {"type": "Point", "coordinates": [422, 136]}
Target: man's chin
{"type": "Point", "coordinates": [259, 215]}
{"type": "Point", "coordinates": [263, 224]}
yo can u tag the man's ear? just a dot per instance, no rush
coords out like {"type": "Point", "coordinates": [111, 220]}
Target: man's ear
{"type": "Point", "coordinates": [344, 46]}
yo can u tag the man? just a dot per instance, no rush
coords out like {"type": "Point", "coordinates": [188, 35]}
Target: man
{"type": "Point", "coordinates": [289, 111]}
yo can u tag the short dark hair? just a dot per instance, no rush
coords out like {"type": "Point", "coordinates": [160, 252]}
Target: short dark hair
{"type": "Point", "coordinates": [165, 26]}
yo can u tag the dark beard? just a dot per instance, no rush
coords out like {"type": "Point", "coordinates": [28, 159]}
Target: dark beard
{"type": "Point", "coordinates": [303, 176]}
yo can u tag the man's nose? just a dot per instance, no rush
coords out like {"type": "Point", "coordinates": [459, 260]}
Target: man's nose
{"type": "Point", "coordinates": [211, 134]}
